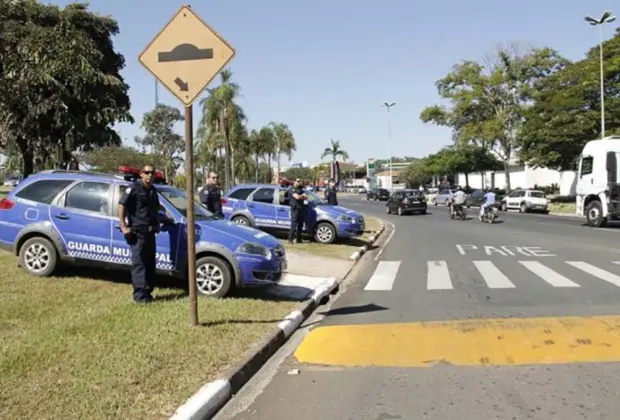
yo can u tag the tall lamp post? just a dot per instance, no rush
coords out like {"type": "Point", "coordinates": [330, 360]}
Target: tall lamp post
{"type": "Point", "coordinates": [388, 106]}
{"type": "Point", "coordinates": [606, 18]}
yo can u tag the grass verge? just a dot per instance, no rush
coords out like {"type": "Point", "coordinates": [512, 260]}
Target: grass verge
{"type": "Point", "coordinates": [565, 208]}
{"type": "Point", "coordinates": [341, 249]}
{"type": "Point", "coordinates": [75, 347]}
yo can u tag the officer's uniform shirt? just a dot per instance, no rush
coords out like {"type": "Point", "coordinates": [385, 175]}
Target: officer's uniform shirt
{"type": "Point", "coordinates": [142, 205]}
{"type": "Point", "coordinates": [330, 196]}
{"type": "Point", "coordinates": [297, 205]}
{"type": "Point", "coordinates": [211, 196]}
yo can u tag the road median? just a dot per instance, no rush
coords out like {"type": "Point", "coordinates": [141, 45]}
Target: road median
{"type": "Point", "coordinates": [342, 249]}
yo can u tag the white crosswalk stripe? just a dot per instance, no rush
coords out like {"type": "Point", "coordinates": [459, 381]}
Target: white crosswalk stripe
{"type": "Point", "coordinates": [548, 275]}
{"type": "Point", "coordinates": [384, 276]}
{"type": "Point", "coordinates": [596, 272]}
{"type": "Point", "coordinates": [438, 275]}
{"type": "Point", "coordinates": [494, 278]}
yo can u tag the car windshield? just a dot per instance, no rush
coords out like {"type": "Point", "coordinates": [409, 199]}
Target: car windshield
{"type": "Point", "coordinates": [178, 200]}
{"type": "Point", "coordinates": [413, 194]}
{"type": "Point", "coordinates": [313, 198]}
{"type": "Point", "coordinates": [537, 194]}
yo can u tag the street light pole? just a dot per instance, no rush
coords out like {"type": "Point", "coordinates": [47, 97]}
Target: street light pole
{"type": "Point", "coordinates": [388, 106]}
{"type": "Point", "coordinates": [606, 18]}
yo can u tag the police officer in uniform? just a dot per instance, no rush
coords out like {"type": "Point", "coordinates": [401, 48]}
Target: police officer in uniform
{"type": "Point", "coordinates": [299, 204]}
{"type": "Point", "coordinates": [330, 193]}
{"type": "Point", "coordinates": [211, 195]}
{"type": "Point", "coordinates": [140, 205]}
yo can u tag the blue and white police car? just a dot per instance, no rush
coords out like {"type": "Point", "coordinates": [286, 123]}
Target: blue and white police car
{"type": "Point", "coordinates": [267, 207]}
{"type": "Point", "coordinates": [56, 217]}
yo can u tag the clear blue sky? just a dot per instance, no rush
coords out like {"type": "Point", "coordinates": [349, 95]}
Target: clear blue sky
{"type": "Point", "coordinates": [325, 66]}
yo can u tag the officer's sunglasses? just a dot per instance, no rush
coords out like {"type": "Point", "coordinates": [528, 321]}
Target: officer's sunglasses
{"type": "Point", "coordinates": [148, 172]}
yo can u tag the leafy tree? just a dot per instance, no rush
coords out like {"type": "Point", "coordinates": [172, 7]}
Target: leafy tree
{"type": "Point", "coordinates": [488, 100]}
{"type": "Point", "coordinates": [162, 139]}
{"type": "Point", "coordinates": [60, 85]}
{"type": "Point", "coordinates": [468, 159]}
{"type": "Point", "coordinates": [566, 109]}
{"type": "Point", "coordinates": [302, 173]}
{"type": "Point", "coordinates": [417, 174]}
{"type": "Point", "coordinates": [108, 159]}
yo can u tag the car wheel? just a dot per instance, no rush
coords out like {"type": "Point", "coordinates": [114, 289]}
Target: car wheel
{"type": "Point", "coordinates": [241, 220]}
{"type": "Point", "coordinates": [504, 207]}
{"type": "Point", "coordinates": [594, 214]}
{"type": "Point", "coordinates": [400, 211]}
{"type": "Point", "coordinates": [423, 212]}
{"type": "Point", "coordinates": [38, 256]}
{"type": "Point", "coordinates": [523, 208]}
{"type": "Point", "coordinates": [213, 277]}
{"type": "Point", "coordinates": [325, 233]}
{"type": "Point", "coordinates": [387, 210]}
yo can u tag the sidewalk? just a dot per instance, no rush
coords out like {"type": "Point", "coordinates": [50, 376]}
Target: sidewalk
{"type": "Point", "coordinates": [306, 273]}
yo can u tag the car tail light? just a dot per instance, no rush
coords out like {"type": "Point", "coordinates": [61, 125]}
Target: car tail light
{"type": "Point", "coordinates": [6, 204]}
{"type": "Point", "coordinates": [224, 201]}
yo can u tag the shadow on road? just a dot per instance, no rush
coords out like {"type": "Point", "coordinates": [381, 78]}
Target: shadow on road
{"type": "Point", "coordinates": [351, 310]}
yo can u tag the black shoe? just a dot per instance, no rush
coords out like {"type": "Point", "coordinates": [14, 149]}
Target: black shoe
{"type": "Point", "coordinates": [145, 300]}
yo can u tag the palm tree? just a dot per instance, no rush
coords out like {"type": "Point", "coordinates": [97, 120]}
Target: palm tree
{"type": "Point", "coordinates": [335, 151]}
{"type": "Point", "coordinates": [220, 114]}
{"type": "Point", "coordinates": [261, 145]}
{"type": "Point", "coordinates": [284, 141]}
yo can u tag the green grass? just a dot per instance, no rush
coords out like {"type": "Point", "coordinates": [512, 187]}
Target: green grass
{"type": "Point", "coordinates": [341, 249]}
{"type": "Point", "coordinates": [565, 208]}
{"type": "Point", "coordinates": [78, 348]}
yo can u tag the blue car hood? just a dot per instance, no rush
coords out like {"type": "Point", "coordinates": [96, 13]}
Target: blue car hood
{"type": "Point", "coordinates": [240, 233]}
{"type": "Point", "coordinates": [337, 210]}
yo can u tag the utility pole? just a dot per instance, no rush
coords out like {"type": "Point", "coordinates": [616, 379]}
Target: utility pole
{"type": "Point", "coordinates": [388, 106]}
{"type": "Point", "coordinates": [607, 17]}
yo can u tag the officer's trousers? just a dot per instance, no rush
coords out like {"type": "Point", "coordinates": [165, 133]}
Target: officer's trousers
{"type": "Point", "coordinates": [143, 252]}
{"type": "Point", "coordinates": [298, 217]}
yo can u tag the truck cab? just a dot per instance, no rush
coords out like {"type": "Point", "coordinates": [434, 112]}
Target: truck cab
{"type": "Point", "coordinates": [598, 190]}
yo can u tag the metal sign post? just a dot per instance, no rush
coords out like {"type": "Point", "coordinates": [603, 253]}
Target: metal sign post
{"type": "Point", "coordinates": [185, 56]}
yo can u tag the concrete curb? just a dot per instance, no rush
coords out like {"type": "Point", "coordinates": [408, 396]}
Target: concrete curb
{"type": "Point", "coordinates": [212, 396]}
{"type": "Point", "coordinates": [358, 254]}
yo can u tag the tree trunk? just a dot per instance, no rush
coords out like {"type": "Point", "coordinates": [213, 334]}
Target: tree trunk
{"type": "Point", "coordinates": [467, 180]}
{"type": "Point", "coordinates": [227, 152]}
{"type": "Point", "coordinates": [507, 175]}
{"type": "Point", "coordinates": [269, 160]}
{"type": "Point", "coordinates": [27, 160]}
{"type": "Point", "coordinates": [256, 168]}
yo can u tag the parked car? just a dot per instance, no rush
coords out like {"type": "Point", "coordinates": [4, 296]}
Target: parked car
{"type": "Point", "coordinates": [267, 207]}
{"type": "Point", "coordinates": [378, 194]}
{"type": "Point", "coordinates": [406, 202]}
{"type": "Point", "coordinates": [476, 198]}
{"type": "Point", "coordinates": [443, 196]}
{"type": "Point", "coordinates": [60, 217]}
{"type": "Point", "coordinates": [525, 200]}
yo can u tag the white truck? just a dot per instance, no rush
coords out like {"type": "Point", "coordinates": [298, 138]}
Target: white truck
{"type": "Point", "coordinates": [598, 188]}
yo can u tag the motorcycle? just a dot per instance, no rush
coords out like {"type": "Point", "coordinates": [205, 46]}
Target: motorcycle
{"type": "Point", "coordinates": [489, 215]}
{"type": "Point", "coordinates": [458, 212]}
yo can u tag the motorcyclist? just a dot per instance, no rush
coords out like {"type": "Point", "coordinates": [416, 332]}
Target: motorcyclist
{"type": "Point", "coordinates": [489, 200]}
{"type": "Point", "coordinates": [458, 199]}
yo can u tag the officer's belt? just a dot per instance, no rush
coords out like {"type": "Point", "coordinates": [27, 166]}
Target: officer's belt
{"type": "Point", "coordinates": [143, 229]}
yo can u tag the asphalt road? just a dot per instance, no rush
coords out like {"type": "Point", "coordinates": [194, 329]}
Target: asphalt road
{"type": "Point", "coordinates": [453, 319]}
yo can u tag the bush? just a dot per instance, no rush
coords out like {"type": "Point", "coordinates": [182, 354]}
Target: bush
{"type": "Point", "coordinates": [562, 199]}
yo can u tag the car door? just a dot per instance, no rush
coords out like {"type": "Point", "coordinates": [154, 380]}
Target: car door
{"type": "Point", "coordinates": [83, 219]}
{"type": "Point", "coordinates": [262, 205]}
{"type": "Point", "coordinates": [510, 199]}
{"type": "Point", "coordinates": [283, 209]}
{"type": "Point", "coordinates": [168, 240]}
{"type": "Point", "coordinates": [395, 201]}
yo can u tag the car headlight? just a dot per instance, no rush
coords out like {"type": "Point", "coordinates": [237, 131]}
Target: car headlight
{"type": "Point", "coordinates": [345, 218]}
{"type": "Point", "coordinates": [251, 248]}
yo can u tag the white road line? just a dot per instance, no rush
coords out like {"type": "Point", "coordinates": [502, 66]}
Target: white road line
{"type": "Point", "coordinates": [596, 272]}
{"type": "Point", "coordinates": [438, 277]}
{"type": "Point", "coordinates": [494, 278]}
{"type": "Point", "coordinates": [387, 241]}
{"type": "Point", "coordinates": [548, 275]}
{"type": "Point", "coordinates": [384, 276]}
{"type": "Point", "coordinates": [616, 262]}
